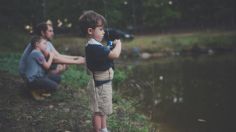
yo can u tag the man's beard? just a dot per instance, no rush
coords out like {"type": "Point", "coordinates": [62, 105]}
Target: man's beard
{"type": "Point", "coordinates": [48, 39]}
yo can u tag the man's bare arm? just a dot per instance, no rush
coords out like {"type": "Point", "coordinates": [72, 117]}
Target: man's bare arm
{"type": "Point", "coordinates": [63, 60]}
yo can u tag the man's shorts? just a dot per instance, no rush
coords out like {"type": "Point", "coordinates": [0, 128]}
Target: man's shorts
{"type": "Point", "coordinates": [100, 97]}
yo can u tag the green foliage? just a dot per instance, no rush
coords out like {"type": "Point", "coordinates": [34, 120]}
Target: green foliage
{"type": "Point", "coordinates": [119, 77]}
{"type": "Point", "coordinates": [75, 77]}
{"type": "Point", "coordinates": [124, 117]}
{"type": "Point", "coordinates": [120, 13]}
{"type": "Point", "coordinates": [178, 42]}
{"type": "Point", "coordinates": [9, 62]}
{"type": "Point", "coordinates": [159, 13]}
{"type": "Point", "coordinates": [12, 40]}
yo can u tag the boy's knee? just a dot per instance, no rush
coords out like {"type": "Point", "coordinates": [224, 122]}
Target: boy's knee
{"type": "Point", "coordinates": [57, 79]}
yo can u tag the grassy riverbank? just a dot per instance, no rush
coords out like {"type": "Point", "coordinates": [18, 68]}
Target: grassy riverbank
{"type": "Point", "coordinates": [66, 110]}
{"type": "Point", "coordinates": [161, 43]}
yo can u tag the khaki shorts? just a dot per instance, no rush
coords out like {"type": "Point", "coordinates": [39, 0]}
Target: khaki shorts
{"type": "Point", "coordinates": [100, 97]}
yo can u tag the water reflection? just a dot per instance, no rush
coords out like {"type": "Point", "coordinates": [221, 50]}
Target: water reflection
{"type": "Point", "coordinates": [186, 94]}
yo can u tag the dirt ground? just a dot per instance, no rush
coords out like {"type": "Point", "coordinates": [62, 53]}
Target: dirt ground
{"type": "Point", "coordinates": [64, 111]}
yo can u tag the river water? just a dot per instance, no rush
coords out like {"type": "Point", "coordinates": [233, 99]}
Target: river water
{"type": "Point", "coordinates": [185, 93]}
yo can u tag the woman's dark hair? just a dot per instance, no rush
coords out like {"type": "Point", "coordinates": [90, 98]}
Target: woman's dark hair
{"type": "Point", "coordinates": [90, 19]}
{"type": "Point", "coordinates": [35, 39]}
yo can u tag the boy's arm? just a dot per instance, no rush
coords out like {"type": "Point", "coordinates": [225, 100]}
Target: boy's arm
{"type": "Point", "coordinates": [45, 53]}
{"type": "Point", "coordinates": [47, 64]}
{"type": "Point", "coordinates": [115, 52]}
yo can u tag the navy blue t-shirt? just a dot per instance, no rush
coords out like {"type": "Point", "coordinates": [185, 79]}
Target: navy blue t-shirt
{"type": "Point", "coordinates": [97, 56]}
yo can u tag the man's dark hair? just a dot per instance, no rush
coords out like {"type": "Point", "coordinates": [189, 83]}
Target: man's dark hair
{"type": "Point", "coordinates": [90, 19]}
{"type": "Point", "coordinates": [35, 39]}
{"type": "Point", "coordinates": [41, 27]}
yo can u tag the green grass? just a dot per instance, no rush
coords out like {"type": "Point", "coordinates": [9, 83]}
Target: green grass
{"type": "Point", "coordinates": [73, 88]}
{"type": "Point", "coordinates": [9, 62]}
{"type": "Point", "coordinates": [177, 42]}
{"type": "Point", "coordinates": [13, 40]}
{"type": "Point", "coordinates": [158, 42]}
{"type": "Point", "coordinates": [75, 77]}
{"type": "Point", "coordinates": [125, 118]}
{"type": "Point", "coordinates": [74, 45]}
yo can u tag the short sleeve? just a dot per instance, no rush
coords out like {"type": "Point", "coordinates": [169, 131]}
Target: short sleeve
{"type": "Point", "coordinates": [39, 57]}
{"type": "Point", "coordinates": [50, 47]}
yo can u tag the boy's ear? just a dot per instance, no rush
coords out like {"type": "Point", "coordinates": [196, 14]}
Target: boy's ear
{"type": "Point", "coordinates": [36, 44]}
{"type": "Point", "coordinates": [90, 31]}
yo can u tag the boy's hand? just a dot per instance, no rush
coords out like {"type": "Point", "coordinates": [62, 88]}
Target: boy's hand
{"type": "Point", "coordinates": [117, 42]}
{"type": "Point", "coordinates": [51, 54]}
{"type": "Point", "coordinates": [115, 52]}
{"type": "Point", "coordinates": [45, 53]}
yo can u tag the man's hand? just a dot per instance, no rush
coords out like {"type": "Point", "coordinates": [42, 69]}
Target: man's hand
{"type": "Point", "coordinates": [80, 60]}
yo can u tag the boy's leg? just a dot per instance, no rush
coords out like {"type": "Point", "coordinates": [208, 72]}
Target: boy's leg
{"type": "Point", "coordinates": [44, 84]}
{"type": "Point", "coordinates": [55, 77]}
{"type": "Point", "coordinates": [104, 123]}
{"type": "Point", "coordinates": [97, 122]}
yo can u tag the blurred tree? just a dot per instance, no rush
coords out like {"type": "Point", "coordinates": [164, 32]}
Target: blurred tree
{"type": "Point", "coordinates": [205, 13]}
{"type": "Point", "coordinates": [159, 13]}
{"type": "Point", "coordinates": [18, 13]}
{"type": "Point", "coordinates": [132, 14]}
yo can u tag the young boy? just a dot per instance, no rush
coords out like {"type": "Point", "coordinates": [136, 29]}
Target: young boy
{"type": "Point", "coordinates": [36, 71]}
{"type": "Point", "coordinates": [99, 61]}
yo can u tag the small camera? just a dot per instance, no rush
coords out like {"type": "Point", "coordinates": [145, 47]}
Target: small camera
{"type": "Point", "coordinates": [110, 45]}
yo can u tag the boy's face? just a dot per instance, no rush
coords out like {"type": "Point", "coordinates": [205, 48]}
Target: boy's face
{"type": "Point", "coordinates": [97, 33]}
{"type": "Point", "coordinates": [42, 45]}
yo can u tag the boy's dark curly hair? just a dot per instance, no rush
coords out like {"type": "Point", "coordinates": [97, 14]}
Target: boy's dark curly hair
{"type": "Point", "coordinates": [90, 19]}
{"type": "Point", "coordinates": [35, 39]}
